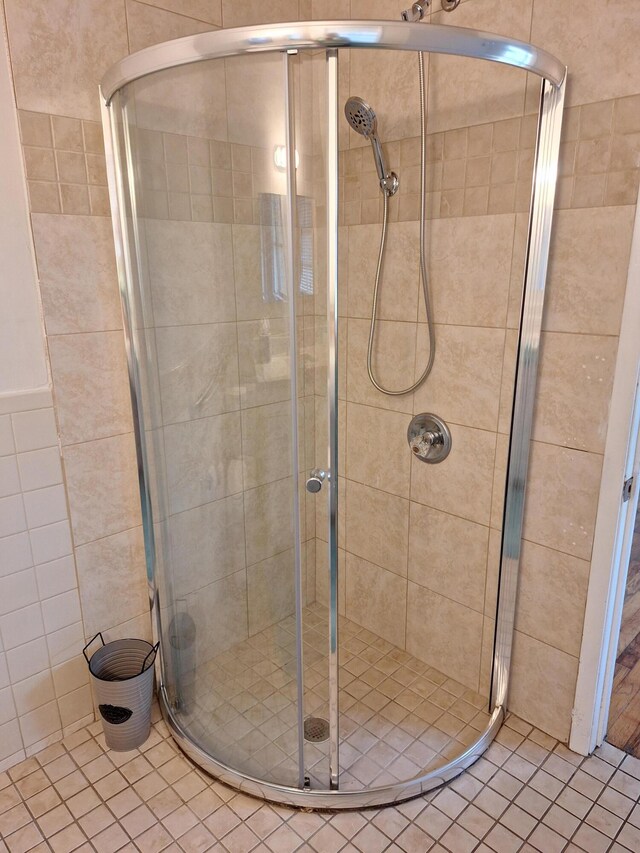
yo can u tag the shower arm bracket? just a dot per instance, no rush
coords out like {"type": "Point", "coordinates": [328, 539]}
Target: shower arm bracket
{"type": "Point", "coordinates": [416, 12]}
{"type": "Point", "coordinates": [390, 184]}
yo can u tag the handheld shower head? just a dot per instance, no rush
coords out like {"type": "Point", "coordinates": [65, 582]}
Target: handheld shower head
{"type": "Point", "coordinates": [363, 120]}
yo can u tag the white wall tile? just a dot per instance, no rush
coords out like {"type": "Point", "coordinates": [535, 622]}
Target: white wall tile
{"type": "Point", "coordinates": [64, 644]}
{"type": "Point", "coordinates": [51, 542]}
{"type": "Point", "coordinates": [12, 517]}
{"type": "Point", "coordinates": [18, 591]}
{"type": "Point", "coordinates": [33, 693]}
{"type": "Point", "coordinates": [9, 739]}
{"type": "Point", "coordinates": [4, 671]}
{"type": "Point", "coordinates": [9, 480]}
{"type": "Point", "coordinates": [56, 577]}
{"type": "Point", "coordinates": [34, 430]}
{"type": "Point", "coordinates": [45, 506]}
{"type": "Point", "coordinates": [40, 723]}
{"type": "Point", "coordinates": [70, 676]}
{"type": "Point", "coordinates": [6, 436]}
{"type": "Point", "coordinates": [75, 706]}
{"type": "Point", "coordinates": [40, 468]}
{"type": "Point", "coordinates": [21, 626]}
{"type": "Point", "coordinates": [61, 611]}
{"type": "Point", "coordinates": [15, 553]}
{"type": "Point", "coordinates": [27, 660]}
{"type": "Point", "coordinates": [7, 707]}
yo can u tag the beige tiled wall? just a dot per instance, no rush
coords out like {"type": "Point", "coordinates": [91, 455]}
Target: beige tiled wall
{"type": "Point", "coordinates": [59, 51]}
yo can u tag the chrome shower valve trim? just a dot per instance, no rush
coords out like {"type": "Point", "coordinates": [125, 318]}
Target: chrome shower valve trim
{"type": "Point", "coordinates": [429, 438]}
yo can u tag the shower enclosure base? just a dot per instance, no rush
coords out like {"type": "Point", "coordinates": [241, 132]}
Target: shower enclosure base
{"type": "Point", "coordinates": [400, 718]}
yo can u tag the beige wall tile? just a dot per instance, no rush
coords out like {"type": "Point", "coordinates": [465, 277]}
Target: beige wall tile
{"type": "Point", "coordinates": [377, 451]}
{"type": "Point", "coordinates": [102, 505]}
{"type": "Point", "coordinates": [499, 479]}
{"type": "Point", "coordinates": [198, 370]}
{"type": "Point", "coordinates": [51, 79]}
{"type": "Point", "coordinates": [266, 443]}
{"type": "Point", "coordinates": [219, 611]}
{"type": "Point", "coordinates": [112, 578]}
{"type": "Point", "coordinates": [393, 364]}
{"type": "Point", "coordinates": [205, 544]}
{"type": "Point", "coordinates": [448, 555]}
{"type": "Point", "coordinates": [377, 527]}
{"type": "Point", "coordinates": [542, 686]}
{"type": "Point", "coordinates": [77, 271]}
{"type": "Point", "coordinates": [376, 599]}
{"type": "Point", "coordinates": [579, 264]}
{"type": "Point", "coordinates": [597, 42]}
{"type": "Point", "coordinates": [508, 380]}
{"type": "Point", "coordinates": [444, 634]}
{"type": "Point", "coordinates": [486, 659]}
{"type": "Point", "coordinates": [322, 576]}
{"type": "Point", "coordinates": [461, 484]}
{"type": "Point", "coordinates": [464, 385]}
{"type": "Point", "coordinates": [574, 387]}
{"type": "Point", "coordinates": [245, 12]}
{"type": "Point", "coordinates": [199, 252]}
{"type": "Point", "coordinates": [203, 459]}
{"type": "Point", "coordinates": [271, 591]}
{"type": "Point", "coordinates": [398, 292]}
{"type": "Point", "coordinates": [268, 515]}
{"type": "Point", "coordinates": [147, 25]}
{"type": "Point", "coordinates": [247, 259]}
{"type": "Point", "coordinates": [562, 498]}
{"type": "Point", "coordinates": [552, 590]}
{"type": "Point", "coordinates": [493, 570]}
{"type": "Point", "coordinates": [486, 262]}
{"type": "Point", "coordinates": [91, 385]}
{"type": "Point", "coordinates": [264, 362]}
{"type": "Point", "coordinates": [388, 80]}
{"type": "Point", "coordinates": [255, 98]}
{"type": "Point", "coordinates": [209, 11]}
{"type": "Point", "coordinates": [462, 91]}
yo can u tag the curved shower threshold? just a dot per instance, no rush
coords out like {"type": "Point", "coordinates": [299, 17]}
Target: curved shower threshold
{"type": "Point", "coordinates": [406, 727]}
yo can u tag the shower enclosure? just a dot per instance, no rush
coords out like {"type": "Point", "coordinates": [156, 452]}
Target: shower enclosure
{"type": "Point", "coordinates": [335, 617]}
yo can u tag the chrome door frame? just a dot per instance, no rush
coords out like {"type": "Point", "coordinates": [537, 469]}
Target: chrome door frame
{"type": "Point", "coordinates": [381, 35]}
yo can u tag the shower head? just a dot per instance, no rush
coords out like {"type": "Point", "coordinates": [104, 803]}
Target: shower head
{"type": "Point", "coordinates": [363, 120]}
{"type": "Point", "coordinates": [361, 117]}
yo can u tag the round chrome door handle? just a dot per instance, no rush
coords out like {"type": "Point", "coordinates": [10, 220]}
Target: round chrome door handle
{"type": "Point", "coordinates": [315, 481]}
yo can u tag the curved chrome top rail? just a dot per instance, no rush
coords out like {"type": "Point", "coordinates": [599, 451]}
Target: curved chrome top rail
{"type": "Point", "coordinates": [391, 35]}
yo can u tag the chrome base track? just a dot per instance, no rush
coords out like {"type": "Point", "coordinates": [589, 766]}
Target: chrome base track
{"type": "Point", "coordinates": [329, 800]}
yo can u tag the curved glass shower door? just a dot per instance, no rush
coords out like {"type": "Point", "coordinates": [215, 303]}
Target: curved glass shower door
{"type": "Point", "coordinates": [246, 209]}
{"type": "Point", "coordinates": [222, 306]}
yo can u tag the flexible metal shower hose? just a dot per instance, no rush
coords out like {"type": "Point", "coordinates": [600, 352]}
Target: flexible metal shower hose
{"type": "Point", "coordinates": [423, 265]}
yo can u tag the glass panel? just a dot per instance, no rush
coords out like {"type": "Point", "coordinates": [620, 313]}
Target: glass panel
{"type": "Point", "coordinates": [422, 542]}
{"type": "Point", "coordinates": [307, 72]}
{"type": "Point", "coordinates": [212, 335]}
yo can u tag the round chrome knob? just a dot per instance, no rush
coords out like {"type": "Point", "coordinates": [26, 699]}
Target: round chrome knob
{"type": "Point", "coordinates": [429, 438]}
{"type": "Point", "coordinates": [315, 481]}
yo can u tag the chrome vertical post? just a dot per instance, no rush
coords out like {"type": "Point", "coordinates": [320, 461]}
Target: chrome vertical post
{"type": "Point", "coordinates": [290, 267]}
{"type": "Point", "coordinates": [332, 406]}
{"type": "Point", "coordinates": [540, 219]}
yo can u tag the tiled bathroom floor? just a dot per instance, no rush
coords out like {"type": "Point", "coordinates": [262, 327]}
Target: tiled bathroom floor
{"type": "Point", "coordinates": [527, 793]}
{"type": "Point", "coordinates": [399, 717]}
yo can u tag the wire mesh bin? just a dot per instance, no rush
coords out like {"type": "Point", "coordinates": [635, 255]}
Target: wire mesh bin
{"type": "Point", "coordinates": [122, 678]}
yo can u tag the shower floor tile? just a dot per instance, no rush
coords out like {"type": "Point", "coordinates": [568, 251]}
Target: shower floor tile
{"type": "Point", "coordinates": [522, 795]}
{"type": "Point", "coordinates": [399, 718]}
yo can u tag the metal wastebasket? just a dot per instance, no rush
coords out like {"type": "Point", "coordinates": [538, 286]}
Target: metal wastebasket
{"type": "Point", "coordinates": [122, 677]}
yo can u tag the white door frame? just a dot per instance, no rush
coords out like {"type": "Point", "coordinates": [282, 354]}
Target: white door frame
{"type": "Point", "coordinates": [614, 527]}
